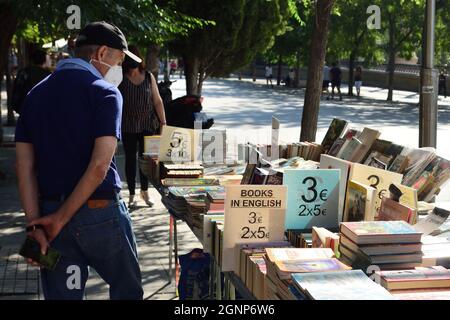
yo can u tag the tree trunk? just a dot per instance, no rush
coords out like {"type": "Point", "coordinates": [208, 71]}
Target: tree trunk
{"type": "Point", "coordinates": [254, 71]}
{"type": "Point", "coordinates": [392, 53]}
{"type": "Point", "coordinates": [351, 72]}
{"type": "Point", "coordinates": [1, 117]}
{"type": "Point", "coordinates": [191, 66]}
{"type": "Point", "coordinates": [297, 71]}
{"type": "Point", "coordinates": [8, 25]}
{"type": "Point", "coordinates": [10, 117]}
{"type": "Point", "coordinates": [315, 70]}
{"type": "Point", "coordinates": [280, 65]}
{"type": "Point", "coordinates": [151, 59]}
{"type": "Point", "coordinates": [201, 79]}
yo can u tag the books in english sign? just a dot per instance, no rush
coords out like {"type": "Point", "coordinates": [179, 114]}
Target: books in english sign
{"type": "Point", "coordinates": [253, 214]}
{"type": "Point", "coordinates": [312, 199]}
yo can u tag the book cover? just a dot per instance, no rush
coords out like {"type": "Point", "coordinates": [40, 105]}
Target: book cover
{"type": "Point", "coordinates": [285, 254]}
{"type": "Point", "coordinates": [380, 249]}
{"type": "Point", "coordinates": [248, 174]}
{"type": "Point", "coordinates": [360, 202]}
{"type": "Point", "coordinates": [409, 196]}
{"type": "Point", "coordinates": [399, 164]}
{"type": "Point", "coordinates": [260, 176]}
{"type": "Point", "coordinates": [313, 198]}
{"type": "Point", "coordinates": [340, 285]}
{"type": "Point", "coordinates": [336, 130]}
{"type": "Point", "coordinates": [301, 266]}
{"type": "Point", "coordinates": [336, 147]}
{"type": "Point", "coordinates": [151, 145]}
{"type": "Point", "coordinates": [186, 191]}
{"type": "Point", "coordinates": [367, 137]}
{"type": "Point", "coordinates": [420, 278]}
{"type": "Point", "coordinates": [330, 162]}
{"type": "Point", "coordinates": [380, 232]}
{"type": "Point", "coordinates": [275, 177]}
{"type": "Point", "coordinates": [348, 151]}
{"type": "Point", "coordinates": [349, 135]}
{"type": "Point", "coordinates": [393, 211]}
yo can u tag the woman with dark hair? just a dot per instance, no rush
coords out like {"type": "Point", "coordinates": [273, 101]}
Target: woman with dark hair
{"type": "Point", "coordinates": [142, 115]}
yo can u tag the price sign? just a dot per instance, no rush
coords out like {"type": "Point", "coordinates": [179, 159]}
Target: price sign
{"type": "Point", "coordinates": [253, 214]}
{"type": "Point", "coordinates": [376, 178]}
{"type": "Point", "coordinates": [177, 144]}
{"type": "Point", "coordinates": [313, 198]}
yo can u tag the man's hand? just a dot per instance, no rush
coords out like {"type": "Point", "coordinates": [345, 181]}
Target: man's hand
{"type": "Point", "coordinates": [40, 237]}
{"type": "Point", "coordinates": [52, 224]}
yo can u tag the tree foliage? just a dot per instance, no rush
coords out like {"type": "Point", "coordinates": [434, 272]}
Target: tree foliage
{"type": "Point", "coordinates": [242, 29]}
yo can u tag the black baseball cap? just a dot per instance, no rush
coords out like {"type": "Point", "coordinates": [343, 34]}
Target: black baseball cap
{"type": "Point", "coordinates": [105, 34]}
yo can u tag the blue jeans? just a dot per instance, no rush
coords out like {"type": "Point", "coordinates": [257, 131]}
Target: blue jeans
{"type": "Point", "coordinates": [99, 238]}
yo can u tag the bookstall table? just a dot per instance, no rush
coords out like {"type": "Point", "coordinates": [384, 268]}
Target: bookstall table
{"type": "Point", "coordinates": [232, 283]}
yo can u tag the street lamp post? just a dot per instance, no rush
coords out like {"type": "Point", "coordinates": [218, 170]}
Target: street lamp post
{"type": "Point", "coordinates": [428, 107]}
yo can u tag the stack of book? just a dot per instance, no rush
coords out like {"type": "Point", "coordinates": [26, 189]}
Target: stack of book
{"type": "Point", "coordinates": [323, 238]}
{"type": "Point", "coordinates": [436, 250]}
{"type": "Point", "coordinates": [189, 182]}
{"type": "Point", "coordinates": [186, 203]}
{"type": "Point", "coordinates": [299, 238]}
{"type": "Point", "coordinates": [305, 150]}
{"type": "Point", "coordinates": [432, 283]}
{"type": "Point", "coordinates": [387, 244]}
{"type": "Point", "coordinates": [271, 173]}
{"type": "Point", "coordinates": [340, 285]}
{"type": "Point", "coordinates": [422, 168]}
{"type": "Point", "coordinates": [282, 262]}
{"type": "Point", "coordinates": [185, 170]}
{"type": "Point", "coordinates": [216, 201]}
{"type": "Point", "coordinates": [252, 266]}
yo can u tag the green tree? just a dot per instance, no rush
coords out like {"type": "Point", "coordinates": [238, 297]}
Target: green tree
{"type": "Point", "coordinates": [143, 21]}
{"type": "Point", "coordinates": [350, 37]}
{"type": "Point", "coordinates": [241, 29]}
{"type": "Point", "coordinates": [403, 22]}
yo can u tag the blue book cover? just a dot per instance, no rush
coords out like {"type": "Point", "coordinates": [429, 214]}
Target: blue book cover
{"type": "Point", "coordinates": [312, 198]}
{"type": "Point", "coordinates": [340, 285]}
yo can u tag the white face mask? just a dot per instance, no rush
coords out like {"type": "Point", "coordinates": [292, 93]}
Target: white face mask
{"type": "Point", "coordinates": [114, 74]}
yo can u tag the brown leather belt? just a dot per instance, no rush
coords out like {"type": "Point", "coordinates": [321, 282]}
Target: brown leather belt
{"type": "Point", "coordinates": [96, 201]}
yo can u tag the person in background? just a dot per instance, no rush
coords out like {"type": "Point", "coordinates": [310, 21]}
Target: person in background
{"type": "Point", "coordinates": [269, 75]}
{"type": "Point", "coordinates": [143, 115]}
{"type": "Point", "coordinates": [173, 67]}
{"type": "Point", "coordinates": [181, 67]}
{"type": "Point", "coordinates": [290, 78]}
{"type": "Point", "coordinates": [443, 83]}
{"type": "Point", "coordinates": [326, 79]}
{"type": "Point", "coordinates": [358, 80]}
{"type": "Point", "coordinates": [336, 79]}
{"type": "Point", "coordinates": [28, 77]}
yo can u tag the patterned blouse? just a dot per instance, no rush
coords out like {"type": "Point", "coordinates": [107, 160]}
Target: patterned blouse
{"type": "Point", "coordinates": [138, 113]}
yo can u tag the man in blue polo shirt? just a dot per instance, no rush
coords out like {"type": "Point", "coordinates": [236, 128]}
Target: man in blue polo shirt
{"type": "Point", "coordinates": [69, 186]}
